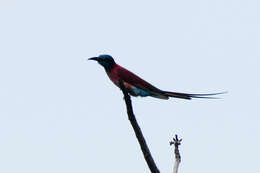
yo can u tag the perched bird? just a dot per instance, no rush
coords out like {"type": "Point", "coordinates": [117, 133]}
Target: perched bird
{"type": "Point", "coordinates": [135, 85]}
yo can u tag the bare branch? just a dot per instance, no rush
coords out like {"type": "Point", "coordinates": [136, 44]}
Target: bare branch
{"type": "Point", "coordinates": [176, 142]}
{"type": "Point", "coordinates": [146, 152]}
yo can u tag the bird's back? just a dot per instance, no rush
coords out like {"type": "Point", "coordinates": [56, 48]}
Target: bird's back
{"type": "Point", "coordinates": [131, 80]}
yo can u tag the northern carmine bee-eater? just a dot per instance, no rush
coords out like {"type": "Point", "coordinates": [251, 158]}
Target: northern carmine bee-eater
{"type": "Point", "coordinates": [135, 85]}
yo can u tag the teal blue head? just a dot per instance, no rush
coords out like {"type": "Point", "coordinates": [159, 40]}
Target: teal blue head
{"type": "Point", "coordinates": [106, 61]}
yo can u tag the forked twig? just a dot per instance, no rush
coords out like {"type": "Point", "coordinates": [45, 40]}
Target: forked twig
{"type": "Point", "coordinates": [176, 142]}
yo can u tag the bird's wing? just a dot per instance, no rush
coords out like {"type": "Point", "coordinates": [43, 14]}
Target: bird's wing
{"type": "Point", "coordinates": [136, 81]}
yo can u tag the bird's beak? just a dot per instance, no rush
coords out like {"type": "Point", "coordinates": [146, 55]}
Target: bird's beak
{"type": "Point", "coordinates": [93, 58]}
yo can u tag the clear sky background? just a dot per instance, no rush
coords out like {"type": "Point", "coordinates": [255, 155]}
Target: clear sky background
{"type": "Point", "coordinates": [60, 113]}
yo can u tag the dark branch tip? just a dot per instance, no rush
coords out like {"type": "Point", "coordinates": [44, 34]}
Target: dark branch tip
{"type": "Point", "coordinates": [176, 141]}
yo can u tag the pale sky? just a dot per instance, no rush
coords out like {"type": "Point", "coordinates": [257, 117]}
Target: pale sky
{"type": "Point", "coordinates": [61, 113]}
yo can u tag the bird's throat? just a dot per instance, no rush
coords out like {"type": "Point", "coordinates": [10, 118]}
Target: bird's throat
{"type": "Point", "coordinates": [108, 67]}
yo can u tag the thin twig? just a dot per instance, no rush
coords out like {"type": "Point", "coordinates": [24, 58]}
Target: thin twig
{"type": "Point", "coordinates": [146, 152]}
{"type": "Point", "coordinates": [176, 142]}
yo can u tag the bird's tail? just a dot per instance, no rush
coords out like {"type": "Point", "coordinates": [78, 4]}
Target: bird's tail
{"type": "Point", "coordinates": [190, 96]}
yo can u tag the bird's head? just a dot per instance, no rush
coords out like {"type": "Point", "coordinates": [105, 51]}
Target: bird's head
{"type": "Point", "coordinates": [106, 61]}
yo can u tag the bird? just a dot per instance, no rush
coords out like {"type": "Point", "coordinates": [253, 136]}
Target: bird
{"type": "Point", "coordinates": [136, 86]}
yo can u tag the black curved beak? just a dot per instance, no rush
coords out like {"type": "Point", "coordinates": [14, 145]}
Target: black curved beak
{"type": "Point", "coordinates": [93, 58]}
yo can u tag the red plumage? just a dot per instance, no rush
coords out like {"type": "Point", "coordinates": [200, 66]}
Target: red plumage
{"type": "Point", "coordinates": [132, 80]}
{"type": "Point", "coordinates": [135, 85]}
